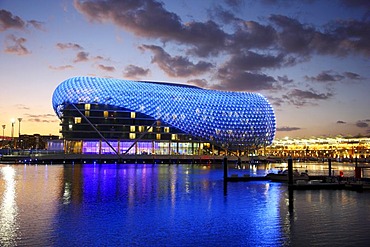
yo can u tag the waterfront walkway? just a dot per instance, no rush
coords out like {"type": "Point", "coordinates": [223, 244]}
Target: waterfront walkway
{"type": "Point", "coordinates": [62, 158]}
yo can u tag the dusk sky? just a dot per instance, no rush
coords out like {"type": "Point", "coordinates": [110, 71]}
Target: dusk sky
{"type": "Point", "coordinates": [309, 58]}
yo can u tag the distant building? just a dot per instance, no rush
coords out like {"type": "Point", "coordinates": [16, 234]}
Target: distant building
{"type": "Point", "coordinates": [35, 141]}
{"type": "Point", "coordinates": [101, 115]}
{"type": "Point", "coordinates": [339, 148]}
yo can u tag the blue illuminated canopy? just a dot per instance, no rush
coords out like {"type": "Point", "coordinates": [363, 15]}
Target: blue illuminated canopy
{"type": "Point", "coordinates": [229, 119]}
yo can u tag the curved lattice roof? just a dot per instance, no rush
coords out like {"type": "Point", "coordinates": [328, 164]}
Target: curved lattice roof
{"type": "Point", "coordinates": [229, 119]}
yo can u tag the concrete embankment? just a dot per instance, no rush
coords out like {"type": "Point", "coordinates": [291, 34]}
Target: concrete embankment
{"type": "Point", "coordinates": [112, 158]}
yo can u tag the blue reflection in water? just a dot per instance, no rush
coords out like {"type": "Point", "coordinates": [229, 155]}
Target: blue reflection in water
{"type": "Point", "coordinates": [162, 205]}
{"type": "Point", "coordinates": [168, 205]}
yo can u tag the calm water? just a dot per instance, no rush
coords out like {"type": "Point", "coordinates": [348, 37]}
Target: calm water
{"type": "Point", "coordinates": [177, 205]}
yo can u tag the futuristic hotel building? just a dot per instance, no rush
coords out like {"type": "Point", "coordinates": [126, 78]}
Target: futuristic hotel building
{"type": "Point", "coordinates": [101, 115]}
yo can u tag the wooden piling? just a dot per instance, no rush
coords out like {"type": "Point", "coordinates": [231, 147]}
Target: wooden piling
{"type": "Point", "coordinates": [290, 171]}
{"type": "Point", "coordinates": [225, 168]}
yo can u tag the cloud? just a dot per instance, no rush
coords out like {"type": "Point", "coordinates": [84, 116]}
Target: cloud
{"type": "Point", "coordinates": [224, 16]}
{"type": "Point", "coordinates": [36, 24]}
{"type": "Point", "coordinates": [300, 97]}
{"type": "Point", "coordinates": [199, 82]}
{"type": "Point", "coordinates": [16, 46]}
{"type": "Point", "coordinates": [286, 128]}
{"type": "Point", "coordinates": [81, 57]}
{"type": "Point", "coordinates": [133, 71]}
{"type": "Point", "coordinates": [238, 80]}
{"type": "Point", "coordinates": [150, 19]}
{"type": "Point", "coordinates": [63, 67]}
{"type": "Point", "coordinates": [276, 101]}
{"type": "Point", "coordinates": [249, 46]}
{"type": "Point", "coordinates": [285, 80]}
{"type": "Point", "coordinates": [360, 4]}
{"type": "Point", "coordinates": [234, 3]}
{"type": "Point", "coordinates": [22, 107]}
{"type": "Point", "coordinates": [350, 36]}
{"type": "Point", "coordinates": [42, 118]}
{"type": "Point", "coordinates": [353, 76]}
{"type": "Point", "coordinates": [251, 61]}
{"type": "Point", "coordinates": [64, 46]}
{"type": "Point", "coordinates": [341, 37]}
{"type": "Point", "coordinates": [325, 76]}
{"type": "Point", "coordinates": [8, 20]}
{"type": "Point", "coordinates": [106, 68]}
{"type": "Point", "coordinates": [357, 4]}
{"type": "Point", "coordinates": [341, 122]}
{"type": "Point", "coordinates": [251, 35]}
{"type": "Point", "coordinates": [362, 124]}
{"type": "Point", "coordinates": [144, 18]}
{"type": "Point", "coordinates": [287, 35]}
{"type": "Point", "coordinates": [177, 66]}
{"type": "Point", "coordinates": [330, 76]}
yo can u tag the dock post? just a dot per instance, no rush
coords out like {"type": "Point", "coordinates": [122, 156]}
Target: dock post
{"type": "Point", "coordinates": [239, 162]}
{"type": "Point", "coordinates": [357, 170]}
{"type": "Point", "coordinates": [225, 168]}
{"type": "Point", "coordinates": [290, 184]}
{"type": "Point", "coordinates": [329, 163]}
{"type": "Point", "coordinates": [290, 171]}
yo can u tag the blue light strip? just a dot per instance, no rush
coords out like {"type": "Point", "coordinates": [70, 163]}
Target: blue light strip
{"type": "Point", "coordinates": [230, 119]}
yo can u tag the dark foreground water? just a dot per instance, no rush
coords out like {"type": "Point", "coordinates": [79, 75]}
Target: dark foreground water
{"type": "Point", "coordinates": [162, 205]}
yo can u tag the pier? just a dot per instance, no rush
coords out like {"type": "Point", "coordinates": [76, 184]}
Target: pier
{"type": "Point", "coordinates": [322, 182]}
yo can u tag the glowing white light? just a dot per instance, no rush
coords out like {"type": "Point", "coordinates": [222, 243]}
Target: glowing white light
{"type": "Point", "coordinates": [8, 209]}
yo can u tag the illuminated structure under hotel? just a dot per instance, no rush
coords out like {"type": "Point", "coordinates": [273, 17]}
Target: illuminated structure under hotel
{"type": "Point", "coordinates": [102, 115]}
{"type": "Point", "coordinates": [340, 148]}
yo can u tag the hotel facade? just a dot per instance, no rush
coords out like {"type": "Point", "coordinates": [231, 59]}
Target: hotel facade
{"type": "Point", "coordinates": [107, 116]}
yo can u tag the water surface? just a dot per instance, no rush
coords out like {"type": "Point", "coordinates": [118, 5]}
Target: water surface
{"type": "Point", "coordinates": [170, 205]}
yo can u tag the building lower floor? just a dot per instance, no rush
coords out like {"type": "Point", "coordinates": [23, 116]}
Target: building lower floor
{"type": "Point", "coordinates": [139, 147]}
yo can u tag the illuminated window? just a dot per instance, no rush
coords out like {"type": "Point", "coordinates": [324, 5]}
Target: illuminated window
{"type": "Point", "coordinates": [132, 135]}
{"type": "Point", "coordinates": [70, 126]}
{"type": "Point", "coordinates": [141, 128]}
{"type": "Point", "coordinates": [166, 129]}
{"type": "Point", "coordinates": [133, 114]}
{"type": "Point", "coordinates": [87, 110]}
{"type": "Point", "coordinates": [158, 136]}
{"type": "Point", "coordinates": [105, 114]}
{"type": "Point", "coordinates": [150, 129]}
{"type": "Point", "coordinates": [132, 128]}
{"type": "Point", "coordinates": [77, 120]}
{"type": "Point", "coordinates": [174, 137]}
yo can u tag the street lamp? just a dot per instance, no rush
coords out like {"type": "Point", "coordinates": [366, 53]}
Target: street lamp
{"type": "Point", "coordinates": [19, 131]}
{"type": "Point", "coordinates": [3, 134]}
{"type": "Point", "coordinates": [12, 133]}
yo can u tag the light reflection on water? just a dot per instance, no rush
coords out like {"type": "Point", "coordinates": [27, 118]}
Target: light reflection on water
{"type": "Point", "coordinates": [163, 205]}
{"type": "Point", "coordinates": [8, 209]}
{"type": "Point", "coordinates": [321, 168]}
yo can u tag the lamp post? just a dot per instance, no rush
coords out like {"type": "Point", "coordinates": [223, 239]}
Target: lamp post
{"type": "Point", "coordinates": [12, 133]}
{"type": "Point", "coordinates": [2, 143]}
{"type": "Point", "coordinates": [19, 131]}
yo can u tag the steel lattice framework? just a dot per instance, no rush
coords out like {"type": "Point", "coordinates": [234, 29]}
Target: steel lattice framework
{"type": "Point", "coordinates": [229, 119]}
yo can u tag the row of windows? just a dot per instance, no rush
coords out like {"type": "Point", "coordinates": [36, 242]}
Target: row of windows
{"type": "Point", "coordinates": [77, 120]}
{"type": "Point", "coordinates": [106, 114]}
{"type": "Point", "coordinates": [174, 137]}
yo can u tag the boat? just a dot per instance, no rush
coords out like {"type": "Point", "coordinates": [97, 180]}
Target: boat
{"type": "Point", "coordinates": [283, 176]}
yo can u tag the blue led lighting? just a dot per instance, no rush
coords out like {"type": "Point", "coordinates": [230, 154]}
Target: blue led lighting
{"type": "Point", "coordinates": [230, 119]}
